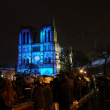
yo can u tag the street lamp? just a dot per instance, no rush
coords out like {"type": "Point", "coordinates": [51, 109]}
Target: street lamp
{"type": "Point", "coordinates": [85, 72]}
{"type": "Point", "coordinates": [81, 71]}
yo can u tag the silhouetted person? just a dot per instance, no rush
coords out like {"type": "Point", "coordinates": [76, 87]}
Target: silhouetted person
{"type": "Point", "coordinates": [64, 93]}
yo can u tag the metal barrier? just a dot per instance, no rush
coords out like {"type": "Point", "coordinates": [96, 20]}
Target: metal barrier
{"type": "Point", "coordinates": [81, 101]}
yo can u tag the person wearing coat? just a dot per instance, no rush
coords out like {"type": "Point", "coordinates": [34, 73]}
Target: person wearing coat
{"type": "Point", "coordinates": [76, 88]}
{"type": "Point", "coordinates": [47, 93]}
{"type": "Point", "coordinates": [107, 89]}
{"type": "Point", "coordinates": [38, 95]}
{"type": "Point", "coordinates": [64, 93]}
{"type": "Point", "coordinates": [55, 92]}
{"type": "Point", "coordinates": [7, 95]}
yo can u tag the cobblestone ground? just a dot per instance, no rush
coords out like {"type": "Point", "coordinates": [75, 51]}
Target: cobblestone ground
{"type": "Point", "coordinates": [96, 102]}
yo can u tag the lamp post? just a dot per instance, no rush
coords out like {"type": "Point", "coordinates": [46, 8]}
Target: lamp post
{"type": "Point", "coordinates": [81, 71]}
{"type": "Point", "coordinates": [85, 72]}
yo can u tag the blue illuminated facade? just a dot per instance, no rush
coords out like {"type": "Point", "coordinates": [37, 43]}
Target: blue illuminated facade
{"type": "Point", "coordinates": [39, 58]}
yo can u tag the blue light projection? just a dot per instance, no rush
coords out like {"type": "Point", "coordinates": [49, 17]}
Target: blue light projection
{"type": "Point", "coordinates": [38, 58]}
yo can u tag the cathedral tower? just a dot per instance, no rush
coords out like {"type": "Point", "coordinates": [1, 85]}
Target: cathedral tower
{"type": "Point", "coordinates": [39, 58]}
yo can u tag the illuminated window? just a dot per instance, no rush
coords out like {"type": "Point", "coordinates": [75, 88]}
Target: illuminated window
{"type": "Point", "coordinates": [36, 49]}
{"type": "Point", "coordinates": [27, 61]}
{"type": "Point", "coordinates": [23, 61]}
{"type": "Point", "coordinates": [49, 60]}
{"type": "Point", "coordinates": [20, 38]}
{"type": "Point", "coordinates": [19, 61]}
{"type": "Point", "coordinates": [45, 35]}
{"type": "Point", "coordinates": [23, 38]}
{"type": "Point", "coordinates": [49, 47]}
{"type": "Point", "coordinates": [44, 47]}
{"type": "Point", "coordinates": [47, 55]}
{"type": "Point", "coordinates": [45, 60]}
{"type": "Point", "coordinates": [33, 49]}
{"type": "Point", "coordinates": [27, 49]}
{"type": "Point", "coordinates": [27, 37]}
{"type": "Point", "coordinates": [23, 49]}
{"type": "Point", "coordinates": [49, 36]}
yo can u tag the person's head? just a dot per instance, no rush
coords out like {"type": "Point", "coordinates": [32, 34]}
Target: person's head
{"type": "Point", "coordinates": [14, 78]}
{"type": "Point", "coordinates": [64, 76]}
{"type": "Point", "coordinates": [39, 79]}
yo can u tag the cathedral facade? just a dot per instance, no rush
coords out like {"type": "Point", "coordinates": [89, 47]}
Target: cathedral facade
{"type": "Point", "coordinates": [39, 58]}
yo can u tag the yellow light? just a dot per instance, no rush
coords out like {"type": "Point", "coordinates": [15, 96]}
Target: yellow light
{"type": "Point", "coordinates": [84, 71]}
{"type": "Point", "coordinates": [81, 71]}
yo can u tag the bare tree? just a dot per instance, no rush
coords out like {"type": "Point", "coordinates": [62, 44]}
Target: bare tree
{"type": "Point", "coordinates": [80, 60]}
{"type": "Point", "coordinates": [65, 61]}
{"type": "Point", "coordinates": [102, 53]}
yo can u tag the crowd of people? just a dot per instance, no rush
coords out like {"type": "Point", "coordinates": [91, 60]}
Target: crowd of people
{"type": "Point", "coordinates": [46, 93]}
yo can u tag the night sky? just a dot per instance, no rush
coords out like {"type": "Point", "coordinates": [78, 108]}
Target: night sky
{"type": "Point", "coordinates": [72, 17]}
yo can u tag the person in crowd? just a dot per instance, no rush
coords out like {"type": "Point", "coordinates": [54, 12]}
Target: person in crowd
{"type": "Point", "coordinates": [38, 95]}
{"type": "Point", "coordinates": [27, 89]}
{"type": "Point", "coordinates": [1, 82]}
{"type": "Point", "coordinates": [35, 80]}
{"type": "Point", "coordinates": [80, 87]}
{"type": "Point", "coordinates": [51, 83]}
{"type": "Point", "coordinates": [70, 81]}
{"type": "Point", "coordinates": [92, 84]}
{"type": "Point", "coordinates": [47, 93]}
{"type": "Point", "coordinates": [88, 83]}
{"type": "Point", "coordinates": [107, 89]}
{"type": "Point", "coordinates": [55, 92]}
{"type": "Point", "coordinates": [17, 87]}
{"type": "Point", "coordinates": [76, 88]}
{"type": "Point", "coordinates": [7, 95]}
{"type": "Point", "coordinates": [32, 89]}
{"type": "Point", "coordinates": [14, 83]}
{"type": "Point", "coordinates": [64, 93]}
{"type": "Point", "coordinates": [84, 89]}
{"type": "Point", "coordinates": [21, 84]}
{"type": "Point", "coordinates": [101, 87]}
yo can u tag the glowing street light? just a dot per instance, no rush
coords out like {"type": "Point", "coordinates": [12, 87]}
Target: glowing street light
{"type": "Point", "coordinates": [81, 71]}
{"type": "Point", "coordinates": [84, 71]}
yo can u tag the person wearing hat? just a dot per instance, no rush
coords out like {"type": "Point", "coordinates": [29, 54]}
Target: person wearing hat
{"type": "Point", "coordinates": [38, 95]}
{"type": "Point", "coordinates": [47, 93]}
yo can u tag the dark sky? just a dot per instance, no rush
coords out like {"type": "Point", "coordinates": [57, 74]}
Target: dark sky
{"type": "Point", "coordinates": [72, 17]}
